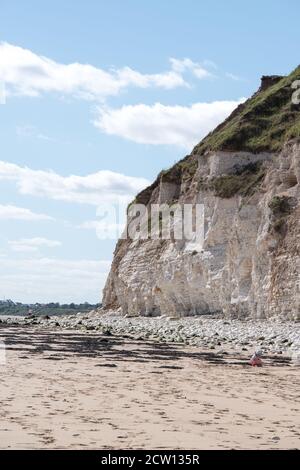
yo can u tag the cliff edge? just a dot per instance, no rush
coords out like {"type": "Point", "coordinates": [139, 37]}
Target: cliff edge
{"type": "Point", "coordinates": [246, 173]}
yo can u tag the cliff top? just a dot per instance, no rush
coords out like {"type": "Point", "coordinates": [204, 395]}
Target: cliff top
{"type": "Point", "coordinates": [263, 123]}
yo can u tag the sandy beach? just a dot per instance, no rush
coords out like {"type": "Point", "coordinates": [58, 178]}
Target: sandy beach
{"type": "Point", "coordinates": [83, 390]}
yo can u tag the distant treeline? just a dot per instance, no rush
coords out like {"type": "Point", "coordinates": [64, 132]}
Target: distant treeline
{"type": "Point", "coordinates": [8, 307]}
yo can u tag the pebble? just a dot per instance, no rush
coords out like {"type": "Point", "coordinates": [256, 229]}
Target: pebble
{"type": "Point", "coordinates": [280, 337]}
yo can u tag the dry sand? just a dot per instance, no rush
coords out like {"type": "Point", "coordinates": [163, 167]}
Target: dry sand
{"type": "Point", "coordinates": [79, 390]}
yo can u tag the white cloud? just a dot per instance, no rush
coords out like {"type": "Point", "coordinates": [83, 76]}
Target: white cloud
{"type": "Point", "coordinates": [30, 74]}
{"type": "Point", "coordinates": [32, 131]}
{"type": "Point", "coordinates": [232, 76]}
{"type": "Point", "coordinates": [2, 92]}
{"type": "Point", "coordinates": [9, 212]}
{"type": "Point", "coordinates": [183, 126]}
{"type": "Point", "coordinates": [96, 188]}
{"type": "Point", "coordinates": [52, 279]}
{"type": "Point", "coordinates": [181, 66]}
{"type": "Point", "coordinates": [32, 244]}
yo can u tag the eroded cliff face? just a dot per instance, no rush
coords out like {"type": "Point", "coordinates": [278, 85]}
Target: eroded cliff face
{"type": "Point", "coordinates": [249, 264]}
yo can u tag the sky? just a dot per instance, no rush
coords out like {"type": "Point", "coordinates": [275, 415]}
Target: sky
{"type": "Point", "coordinates": [96, 98]}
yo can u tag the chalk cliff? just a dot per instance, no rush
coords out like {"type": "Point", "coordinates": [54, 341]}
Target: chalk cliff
{"type": "Point", "coordinates": [246, 173]}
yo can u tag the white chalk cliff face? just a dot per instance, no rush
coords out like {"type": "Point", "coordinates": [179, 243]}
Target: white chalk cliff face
{"type": "Point", "coordinates": [249, 264]}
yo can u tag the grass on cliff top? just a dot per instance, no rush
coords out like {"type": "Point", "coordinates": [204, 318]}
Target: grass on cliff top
{"type": "Point", "coordinates": [263, 123]}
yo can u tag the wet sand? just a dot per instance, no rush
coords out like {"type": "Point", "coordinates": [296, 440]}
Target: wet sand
{"type": "Point", "coordinates": [82, 390]}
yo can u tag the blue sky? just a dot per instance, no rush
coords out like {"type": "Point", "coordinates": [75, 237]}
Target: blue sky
{"type": "Point", "coordinates": [100, 96]}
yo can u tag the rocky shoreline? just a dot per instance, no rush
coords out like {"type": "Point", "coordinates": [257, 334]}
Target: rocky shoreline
{"type": "Point", "coordinates": [208, 332]}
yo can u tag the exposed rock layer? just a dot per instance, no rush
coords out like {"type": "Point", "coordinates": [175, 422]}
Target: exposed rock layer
{"type": "Point", "coordinates": [250, 261]}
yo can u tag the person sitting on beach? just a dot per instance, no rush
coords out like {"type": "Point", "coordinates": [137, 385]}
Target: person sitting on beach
{"type": "Point", "coordinates": [255, 360]}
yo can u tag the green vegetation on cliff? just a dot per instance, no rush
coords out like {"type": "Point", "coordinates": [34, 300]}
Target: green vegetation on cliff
{"type": "Point", "coordinates": [263, 123]}
{"type": "Point", "coordinates": [243, 182]}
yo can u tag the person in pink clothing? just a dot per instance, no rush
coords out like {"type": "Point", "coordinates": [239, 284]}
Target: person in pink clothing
{"type": "Point", "coordinates": [255, 360]}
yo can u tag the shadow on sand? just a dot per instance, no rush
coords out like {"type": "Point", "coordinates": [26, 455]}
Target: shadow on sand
{"type": "Point", "coordinates": [58, 345]}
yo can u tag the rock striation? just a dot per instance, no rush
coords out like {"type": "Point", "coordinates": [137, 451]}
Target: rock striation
{"type": "Point", "coordinates": [246, 174]}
